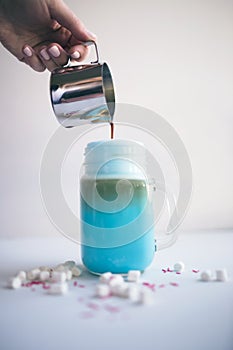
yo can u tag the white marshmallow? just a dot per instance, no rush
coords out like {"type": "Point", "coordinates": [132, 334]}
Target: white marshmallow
{"type": "Point", "coordinates": [22, 275]}
{"type": "Point", "coordinates": [120, 290]}
{"type": "Point", "coordinates": [115, 280]}
{"type": "Point", "coordinates": [61, 268]}
{"type": "Point", "coordinates": [221, 275]}
{"type": "Point", "coordinates": [105, 277]}
{"type": "Point", "coordinates": [58, 277]}
{"type": "Point", "coordinates": [44, 268]}
{"type": "Point", "coordinates": [68, 275]}
{"type": "Point", "coordinates": [14, 283]}
{"type": "Point", "coordinates": [76, 272]}
{"type": "Point", "coordinates": [58, 288]}
{"type": "Point", "coordinates": [134, 293]}
{"type": "Point", "coordinates": [133, 275]}
{"type": "Point", "coordinates": [102, 290]}
{"type": "Point", "coordinates": [33, 274]}
{"type": "Point", "coordinates": [44, 275]}
{"type": "Point", "coordinates": [206, 276]}
{"type": "Point", "coordinates": [69, 264]}
{"type": "Point", "coordinates": [179, 266]}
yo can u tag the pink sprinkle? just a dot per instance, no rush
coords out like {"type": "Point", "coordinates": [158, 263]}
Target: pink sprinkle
{"type": "Point", "coordinates": [93, 306]}
{"type": "Point", "coordinates": [45, 286]}
{"type": "Point", "coordinates": [149, 285]}
{"type": "Point", "coordinates": [161, 285]}
{"type": "Point", "coordinates": [164, 271]}
{"type": "Point", "coordinates": [112, 309]}
{"type": "Point", "coordinates": [81, 286]}
{"type": "Point", "coordinates": [75, 283]}
{"type": "Point", "coordinates": [169, 270]}
{"type": "Point", "coordinates": [195, 271]}
{"type": "Point", "coordinates": [174, 284]}
{"type": "Point", "coordinates": [178, 273]}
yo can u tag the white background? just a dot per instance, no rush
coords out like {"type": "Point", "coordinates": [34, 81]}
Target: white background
{"type": "Point", "coordinates": [174, 57]}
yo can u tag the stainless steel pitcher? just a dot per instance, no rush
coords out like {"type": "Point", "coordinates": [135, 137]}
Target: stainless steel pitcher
{"type": "Point", "coordinates": [83, 94]}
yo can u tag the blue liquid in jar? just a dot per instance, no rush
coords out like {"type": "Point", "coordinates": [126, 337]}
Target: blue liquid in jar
{"type": "Point", "coordinates": [131, 228]}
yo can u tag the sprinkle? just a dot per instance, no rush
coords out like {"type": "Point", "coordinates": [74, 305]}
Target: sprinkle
{"type": "Point", "coordinates": [169, 270]}
{"type": "Point", "coordinates": [81, 286]}
{"type": "Point", "coordinates": [112, 309]}
{"type": "Point", "coordinates": [75, 283]}
{"type": "Point", "coordinates": [174, 284]}
{"type": "Point", "coordinates": [93, 306]}
{"type": "Point", "coordinates": [149, 285]}
{"type": "Point", "coordinates": [164, 271]}
{"type": "Point", "coordinates": [195, 271]}
{"type": "Point", "coordinates": [161, 285]}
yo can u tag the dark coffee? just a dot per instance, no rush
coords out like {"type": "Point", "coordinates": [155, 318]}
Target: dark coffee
{"type": "Point", "coordinates": [112, 130]}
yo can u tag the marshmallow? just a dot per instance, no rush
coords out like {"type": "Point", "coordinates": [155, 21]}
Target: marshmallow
{"type": "Point", "coordinates": [221, 275]}
{"type": "Point", "coordinates": [105, 277]}
{"type": "Point", "coordinates": [33, 274]}
{"type": "Point", "coordinates": [61, 268]}
{"type": "Point", "coordinates": [179, 266]}
{"type": "Point", "coordinates": [58, 288]}
{"type": "Point", "coordinates": [44, 275]}
{"type": "Point", "coordinates": [69, 264]}
{"type": "Point", "coordinates": [102, 290]}
{"type": "Point", "coordinates": [133, 275]}
{"type": "Point", "coordinates": [134, 293]}
{"type": "Point", "coordinates": [44, 268]}
{"type": "Point", "coordinates": [22, 275]}
{"type": "Point", "coordinates": [206, 276]}
{"type": "Point", "coordinates": [115, 280]}
{"type": "Point", "coordinates": [58, 277]}
{"type": "Point", "coordinates": [76, 272]}
{"type": "Point", "coordinates": [68, 275]}
{"type": "Point", "coordinates": [14, 283]}
{"type": "Point", "coordinates": [120, 290]}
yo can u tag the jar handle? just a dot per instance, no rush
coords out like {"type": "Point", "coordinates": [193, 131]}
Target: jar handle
{"type": "Point", "coordinates": [170, 236]}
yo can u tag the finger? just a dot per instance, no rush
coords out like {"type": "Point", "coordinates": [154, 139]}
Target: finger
{"type": "Point", "coordinates": [46, 59]}
{"type": "Point", "coordinates": [78, 52]}
{"type": "Point", "coordinates": [32, 59]}
{"type": "Point", "coordinates": [58, 55]}
{"type": "Point", "coordinates": [62, 14]}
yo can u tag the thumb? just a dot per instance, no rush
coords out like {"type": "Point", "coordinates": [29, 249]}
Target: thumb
{"type": "Point", "coordinates": [62, 14]}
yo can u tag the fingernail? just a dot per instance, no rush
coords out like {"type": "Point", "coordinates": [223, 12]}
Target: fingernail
{"type": "Point", "coordinates": [45, 54]}
{"type": "Point", "coordinates": [55, 52]}
{"type": "Point", "coordinates": [91, 34]}
{"type": "Point", "coordinates": [75, 55]}
{"type": "Point", "coordinates": [27, 51]}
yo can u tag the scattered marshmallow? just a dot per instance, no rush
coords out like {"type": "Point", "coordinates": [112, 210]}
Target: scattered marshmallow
{"type": "Point", "coordinates": [58, 277]}
{"type": "Point", "coordinates": [44, 268]}
{"type": "Point", "coordinates": [221, 275]}
{"type": "Point", "coordinates": [206, 276]}
{"type": "Point", "coordinates": [134, 275]}
{"type": "Point", "coordinates": [102, 290]}
{"type": "Point", "coordinates": [61, 268]}
{"type": "Point", "coordinates": [68, 275]}
{"type": "Point", "coordinates": [120, 290]}
{"type": "Point", "coordinates": [179, 266]}
{"type": "Point", "coordinates": [33, 274]}
{"type": "Point", "coordinates": [58, 288]}
{"type": "Point", "coordinates": [70, 264]}
{"type": "Point", "coordinates": [22, 275]}
{"type": "Point", "coordinates": [76, 272]}
{"type": "Point", "coordinates": [105, 277]}
{"type": "Point", "coordinates": [14, 283]}
{"type": "Point", "coordinates": [44, 275]}
{"type": "Point", "coordinates": [115, 280]}
{"type": "Point", "coordinates": [134, 293]}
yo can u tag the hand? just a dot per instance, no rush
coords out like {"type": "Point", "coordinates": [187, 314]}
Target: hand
{"type": "Point", "coordinates": [42, 33]}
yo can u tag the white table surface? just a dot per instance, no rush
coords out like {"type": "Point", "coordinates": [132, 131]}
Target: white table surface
{"type": "Point", "coordinates": [193, 315]}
